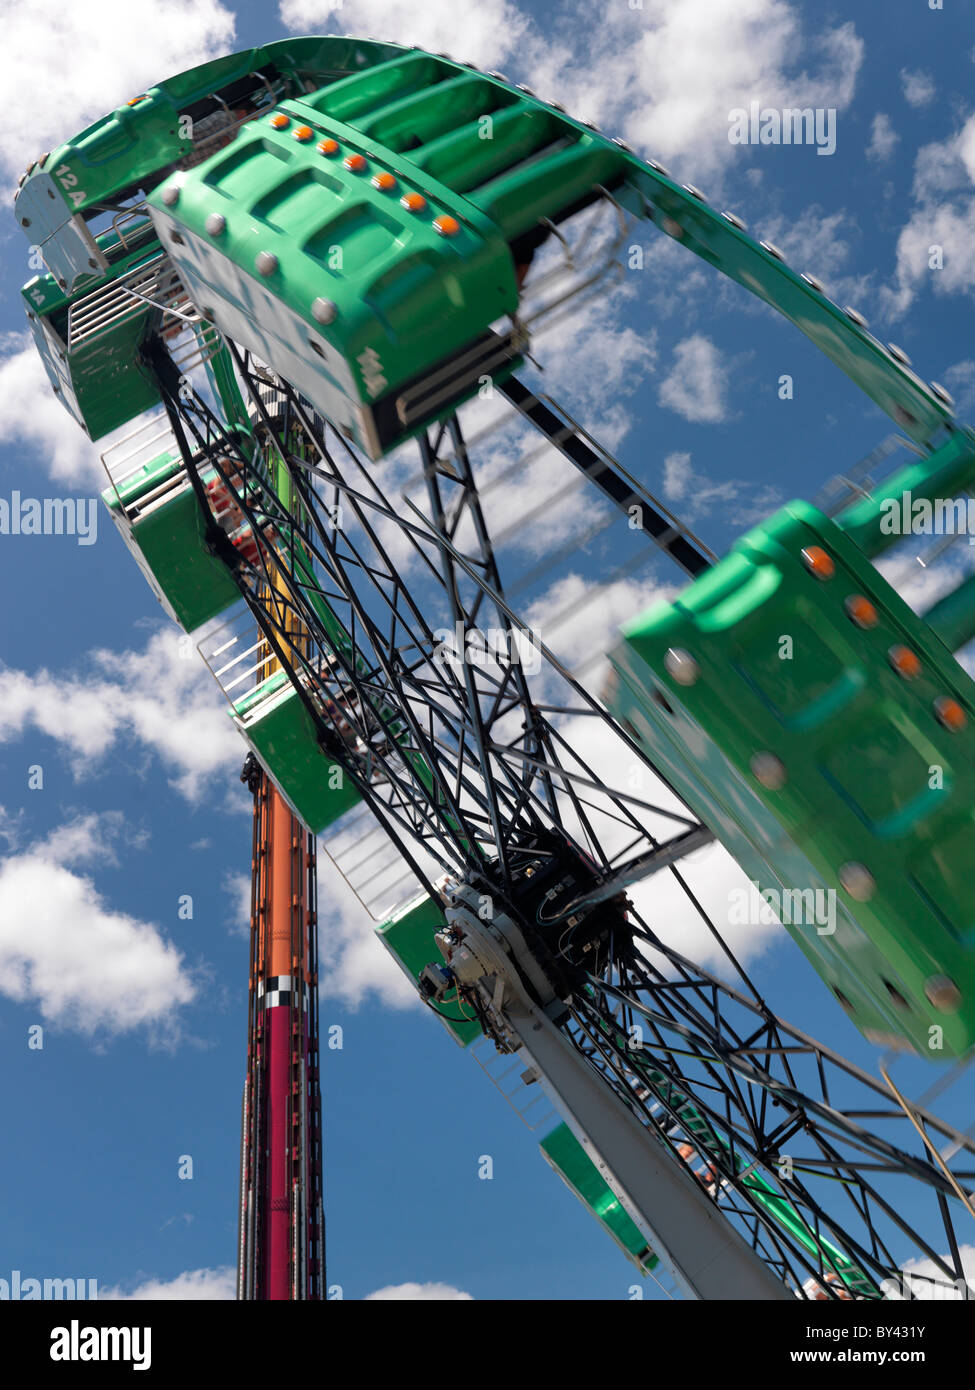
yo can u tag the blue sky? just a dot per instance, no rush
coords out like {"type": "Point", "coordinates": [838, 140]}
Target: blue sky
{"type": "Point", "coordinates": [144, 1011]}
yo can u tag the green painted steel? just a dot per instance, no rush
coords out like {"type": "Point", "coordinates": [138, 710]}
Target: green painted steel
{"type": "Point", "coordinates": [576, 1169]}
{"type": "Point", "coordinates": [409, 937]}
{"type": "Point", "coordinates": [497, 160]}
{"type": "Point", "coordinates": [159, 518]}
{"type": "Point", "coordinates": [98, 375]}
{"type": "Point", "coordinates": [869, 774]}
{"type": "Point", "coordinates": [876, 522]}
{"type": "Point", "coordinates": [131, 148]}
{"type": "Point", "coordinates": [282, 734]}
{"type": "Point", "coordinates": [405, 300]}
{"type": "Point", "coordinates": [494, 157]}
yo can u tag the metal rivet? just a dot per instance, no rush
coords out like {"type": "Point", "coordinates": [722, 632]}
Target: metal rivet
{"type": "Point", "coordinates": [772, 249]}
{"type": "Point", "coordinates": [659, 168]}
{"type": "Point", "coordinates": [945, 397]}
{"type": "Point", "coordinates": [855, 316]}
{"type": "Point", "coordinates": [694, 191]}
{"type": "Point", "coordinates": [818, 561]}
{"type": "Point", "coordinates": [170, 194]}
{"type": "Point", "coordinates": [858, 881]}
{"type": "Point", "coordinates": [768, 770]}
{"type": "Point", "coordinates": [324, 310]}
{"type": "Point", "coordinates": [861, 611]}
{"type": "Point", "coordinates": [904, 661]}
{"type": "Point", "coordinates": [681, 666]}
{"type": "Point", "coordinates": [216, 223]}
{"type": "Point", "coordinates": [735, 221]}
{"type": "Point", "coordinates": [898, 354]}
{"type": "Point", "coordinates": [950, 714]}
{"type": "Point", "coordinates": [266, 262]}
{"type": "Point", "coordinates": [814, 284]}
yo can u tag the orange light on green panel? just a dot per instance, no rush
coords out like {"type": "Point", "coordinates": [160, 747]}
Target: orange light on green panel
{"type": "Point", "coordinates": [818, 562]}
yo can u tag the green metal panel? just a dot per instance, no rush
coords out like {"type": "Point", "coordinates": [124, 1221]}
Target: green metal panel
{"type": "Point", "coordinates": [576, 1169]}
{"type": "Point", "coordinates": [408, 935]}
{"type": "Point", "coordinates": [282, 734]}
{"type": "Point", "coordinates": [167, 539]}
{"type": "Point", "coordinates": [406, 298]}
{"type": "Point", "coordinates": [132, 146]}
{"type": "Point", "coordinates": [421, 116]}
{"type": "Point", "coordinates": [941, 474]}
{"type": "Point", "coordinates": [872, 776]}
{"type": "Point", "coordinates": [100, 378]}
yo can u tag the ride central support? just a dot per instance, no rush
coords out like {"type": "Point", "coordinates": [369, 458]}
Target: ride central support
{"type": "Point", "coordinates": [281, 1241]}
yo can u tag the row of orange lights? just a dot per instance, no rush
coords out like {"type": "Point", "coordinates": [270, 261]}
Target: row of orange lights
{"type": "Point", "coordinates": [357, 164]}
{"type": "Point", "coordinates": [905, 662]}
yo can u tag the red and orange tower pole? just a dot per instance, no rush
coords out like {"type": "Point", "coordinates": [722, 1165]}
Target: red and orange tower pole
{"type": "Point", "coordinates": [281, 1240]}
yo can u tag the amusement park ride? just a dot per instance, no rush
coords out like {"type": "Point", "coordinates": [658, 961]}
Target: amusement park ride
{"type": "Point", "coordinates": [300, 257]}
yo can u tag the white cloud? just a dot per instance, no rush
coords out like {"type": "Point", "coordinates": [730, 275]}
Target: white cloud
{"type": "Point", "coordinates": [883, 138]}
{"type": "Point", "coordinates": [415, 1292]}
{"type": "Point", "coordinates": [918, 87]}
{"type": "Point", "coordinates": [221, 1283]}
{"type": "Point", "coordinates": [711, 872]}
{"type": "Point", "coordinates": [623, 356]}
{"type": "Point", "coordinates": [577, 619]}
{"type": "Point", "coordinates": [742, 501]}
{"type": "Point", "coordinates": [678, 476]}
{"type": "Point", "coordinates": [821, 243]}
{"type": "Point", "coordinates": [665, 76]}
{"type": "Point", "coordinates": [485, 33]}
{"type": "Point", "coordinates": [192, 1284]}
{"type": "Point", "coordinates": [32, 416]}
{"type": "Point", "coordinates": [238, 889]}
{"type": "Point", "coordinates": [696, 386]}
{"type": "Point", "coordinates": [64, 950]}
{"type": "Point", "coordinates": [922, 585]}
{"type": "Point", "coordinates": [924, 1271]}
{"type": "Point", "coordinates": [960, 380]}
{"type": "Point", "coordinates": [130, 702]}
{"type": "Point", "coordinates": [936, 247]}
{"type": "Point", "coordinates": [353, 962]}
{"type": "Point", "coordinates": [91, 839]}
{"type": "Point", "coordinates": [712, 875]}
{"type": "Point", "coordinates": [106, 54]}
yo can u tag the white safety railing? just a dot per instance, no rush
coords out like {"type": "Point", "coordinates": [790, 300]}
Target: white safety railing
{"type": "Point", "coordinates": [151, 439]}
{"type": "Point", "coordinates": [370, 863]}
